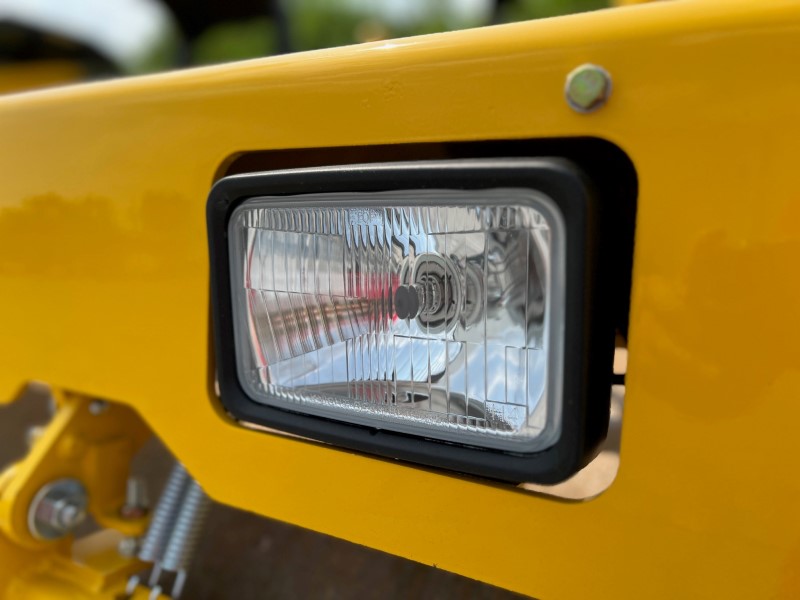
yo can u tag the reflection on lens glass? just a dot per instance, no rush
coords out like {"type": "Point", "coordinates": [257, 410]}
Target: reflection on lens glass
{"type": "Point", "coordinates": [435, 317]}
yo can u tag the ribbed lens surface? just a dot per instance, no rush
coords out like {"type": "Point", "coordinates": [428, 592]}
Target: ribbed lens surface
{"type": "Point", "coordinates": [441, 319]}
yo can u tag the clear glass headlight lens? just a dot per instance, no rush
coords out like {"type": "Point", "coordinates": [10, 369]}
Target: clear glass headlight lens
{"type": "Point", "coordinates": [437, 313]}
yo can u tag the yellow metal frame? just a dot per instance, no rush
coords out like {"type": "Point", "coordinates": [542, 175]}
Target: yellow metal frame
{"type": "Point", "coordinates": [104, 277]}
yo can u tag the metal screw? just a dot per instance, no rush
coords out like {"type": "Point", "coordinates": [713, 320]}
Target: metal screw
{"type": "Point", "coordinates": [588, 88]}
{"type": "Point", "coordinates": [98, 407]}
{"type": "Point", "coordinates": [128, 547]}
{"type": "Point", "coordinates": [57, 509]}
{"type": "Point", "coordinates": [33, 434]}
{"type": "Point", "coordinates": [136, 503]}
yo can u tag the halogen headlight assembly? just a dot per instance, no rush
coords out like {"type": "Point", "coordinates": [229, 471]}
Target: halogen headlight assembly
{"type": "Point", "coordinates": [438, 312]}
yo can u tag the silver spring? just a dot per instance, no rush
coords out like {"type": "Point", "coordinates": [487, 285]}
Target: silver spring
{"type": "Point", "coordinates": [186, 532]}
{"type": "Point", "coordinates": [165, 515]}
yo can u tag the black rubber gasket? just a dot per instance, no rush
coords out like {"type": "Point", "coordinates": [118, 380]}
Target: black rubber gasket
{"type": "Point", "coordinates": [589, 327]}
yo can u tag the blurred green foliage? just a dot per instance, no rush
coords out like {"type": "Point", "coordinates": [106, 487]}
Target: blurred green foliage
{"type": "Point", "coordinates": [235, 40]}
{"type": "Point", "coordinates": [317, 24]}
{"type": "Point", "coordinates": [523, 10]}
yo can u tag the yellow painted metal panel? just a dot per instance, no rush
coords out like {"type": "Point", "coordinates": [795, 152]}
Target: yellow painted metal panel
{"type": "Point", "coordinates": [103, 268]}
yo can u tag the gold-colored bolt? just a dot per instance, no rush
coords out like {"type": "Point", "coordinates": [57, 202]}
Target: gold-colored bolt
{"type": "Point", "coordinates": [588, 88]}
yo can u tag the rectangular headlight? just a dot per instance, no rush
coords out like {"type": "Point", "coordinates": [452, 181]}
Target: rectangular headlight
{"type": "Point", "coordinates": [410, 310]}
{"type": "Point", "coordinates": [431, 312]}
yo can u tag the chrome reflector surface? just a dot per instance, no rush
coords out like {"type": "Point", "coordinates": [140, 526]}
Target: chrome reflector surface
{"type": "Point", "coordinates": [437, 313]}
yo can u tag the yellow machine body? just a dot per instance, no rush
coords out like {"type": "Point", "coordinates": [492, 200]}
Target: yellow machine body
{"type": "Point", "coordinates": [104, 280]}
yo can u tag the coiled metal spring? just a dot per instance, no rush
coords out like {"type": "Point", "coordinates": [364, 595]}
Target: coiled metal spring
{"type": "Point", "coordinates": [175, 529]}
{"type": "Point", "coordinates": [165, 514]}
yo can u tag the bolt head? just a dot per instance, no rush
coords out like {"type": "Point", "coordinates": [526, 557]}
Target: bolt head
{"type": "Point", "coordinates": [128, 547]}
{"type": "Point", "coordinates": [57, 509]}
{"type": "Point", "coordinates": [33, 434]}
{"type": "Point", "coordinates": [98, 407]}
{"type": "Point", "coordinates": [69, 514]}
{"type": "Point", "coordinates": [588, 88]}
